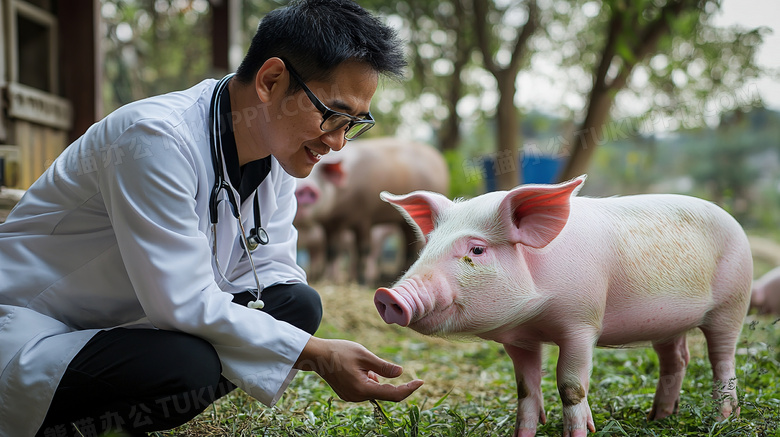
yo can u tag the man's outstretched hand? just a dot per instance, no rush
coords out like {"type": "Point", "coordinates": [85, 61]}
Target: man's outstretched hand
{"type": "Point", "coordinates": [352, 371]}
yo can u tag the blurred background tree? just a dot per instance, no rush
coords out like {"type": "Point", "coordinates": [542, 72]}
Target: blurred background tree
{"type": "Point", "coordinates": [681, 60]}
{"type": "Point", "coordinates": [152, 47]}
{"type": "Point", "coordinates": [735, 164]}
{"type": "Point", "coordinates": [660, 97]}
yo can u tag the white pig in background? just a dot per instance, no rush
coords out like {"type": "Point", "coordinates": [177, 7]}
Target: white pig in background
{"type": "Point", "coordinates": [766, 293]}
{"type": "Point", "coordinates": [537, 264]}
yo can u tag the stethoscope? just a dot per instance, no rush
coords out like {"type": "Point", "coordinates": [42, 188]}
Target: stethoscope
{"type": "Point", "coordinates": [258, 235]}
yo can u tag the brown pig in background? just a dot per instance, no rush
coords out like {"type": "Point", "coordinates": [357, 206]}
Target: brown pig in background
{"type": "Point", "coordinates": [342, 194]}
{"type": "Point", "coordinates": [766, 293]}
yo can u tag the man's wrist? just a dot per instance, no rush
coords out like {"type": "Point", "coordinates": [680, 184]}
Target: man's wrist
{"type": "Point", "coordinates": [308, 358]}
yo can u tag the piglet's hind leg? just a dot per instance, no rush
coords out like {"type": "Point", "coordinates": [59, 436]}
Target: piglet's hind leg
{"type": "Point", "coordinates": [673, 359]}
{"type": "Point", "coordinates": [720, 348]}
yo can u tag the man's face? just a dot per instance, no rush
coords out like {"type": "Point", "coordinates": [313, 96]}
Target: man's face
{"type": "Point", "coordinates": [296, 140]}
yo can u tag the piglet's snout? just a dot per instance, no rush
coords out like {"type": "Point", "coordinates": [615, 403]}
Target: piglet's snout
{"type": "Point", "coordinates": [392, 307]}
{"type": "Point", "coordinates": [307, 194]}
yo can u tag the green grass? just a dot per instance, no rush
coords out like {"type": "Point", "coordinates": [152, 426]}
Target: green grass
{"type": "Point", "coordinates": [470, 390]}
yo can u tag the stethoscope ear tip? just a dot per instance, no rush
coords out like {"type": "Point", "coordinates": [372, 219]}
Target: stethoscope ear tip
{"type": "Point", "coordinates": [256, 304]}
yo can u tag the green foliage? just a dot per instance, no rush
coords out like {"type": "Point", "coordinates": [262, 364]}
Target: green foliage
{"type": "Point", "coordinates": [465, 175]}
{"type": "Point", "coordinates": [153, 47]}
{"type": "Point", "coordinates": [695, 62]}
{"type": "Point", "coordinates": [736, 165]}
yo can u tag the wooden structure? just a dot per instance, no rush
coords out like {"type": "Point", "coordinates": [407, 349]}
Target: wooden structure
{"type": "Point", "coordinates": [51, 73]}
{"type": "Point", "coordinates": [49, 81]}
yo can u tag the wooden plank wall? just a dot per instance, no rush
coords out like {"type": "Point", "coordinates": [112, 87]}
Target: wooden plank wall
{"type": "Point", "coordinates": [40, 122]}
{"type": "Point", "coordinates": [38, 146]}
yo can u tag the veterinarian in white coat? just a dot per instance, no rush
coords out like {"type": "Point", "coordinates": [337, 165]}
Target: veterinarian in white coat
{"type": "Point", "coordinates": [117, 233]}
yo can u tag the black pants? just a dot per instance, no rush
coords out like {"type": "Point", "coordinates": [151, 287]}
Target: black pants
{"type": "Point", "coordinates": [139, 380]}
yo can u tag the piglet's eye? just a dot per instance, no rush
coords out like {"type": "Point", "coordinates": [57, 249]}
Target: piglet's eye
{"type": "Point", "coordinates": [477, 250]}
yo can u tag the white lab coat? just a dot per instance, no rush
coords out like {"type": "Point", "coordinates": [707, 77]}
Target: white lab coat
{"type": "Point", "coordinates": [117, 232]}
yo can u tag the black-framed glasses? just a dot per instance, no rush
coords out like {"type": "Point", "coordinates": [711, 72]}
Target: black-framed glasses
{"type": "Point", "coordinates": [335, 120]}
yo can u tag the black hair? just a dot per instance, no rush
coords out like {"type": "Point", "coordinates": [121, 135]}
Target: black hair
{"type": "Point", "coordinates": [316, 36]}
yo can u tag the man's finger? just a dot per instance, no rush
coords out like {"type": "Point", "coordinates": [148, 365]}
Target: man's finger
{"type": "Point", "coordinates": [389, 392]}
{"type": "Point", "coordinates": [387, 369]}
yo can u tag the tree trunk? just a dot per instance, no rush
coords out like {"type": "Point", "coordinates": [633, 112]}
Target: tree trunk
{"type": "Point", "coordinates": [592, 133]}
{"type": "Point", "coordinates": [508, 134]}
{"type": "Point", "coordinates": [507, 169]}
{"type": "Point", "coordinates": [449, 136]}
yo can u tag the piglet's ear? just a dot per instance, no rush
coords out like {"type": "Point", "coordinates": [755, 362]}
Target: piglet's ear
{"type": "Point", "coordinates": [420, 208]}
{"type": "Point", "coordinates": [536, 214]}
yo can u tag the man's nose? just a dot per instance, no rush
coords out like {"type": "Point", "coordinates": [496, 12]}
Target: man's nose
{"type": "Point", "coordinates": [334, 139]}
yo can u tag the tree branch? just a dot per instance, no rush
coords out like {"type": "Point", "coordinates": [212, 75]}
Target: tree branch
{"type": "Point", "coordinates": [648, 40]}
{"type": "Point", "coordinates": [615, 30]}
{"type": "Point", "coordinates": [521, 44]}
{"type": "Point", "coordinates": [483, 38]}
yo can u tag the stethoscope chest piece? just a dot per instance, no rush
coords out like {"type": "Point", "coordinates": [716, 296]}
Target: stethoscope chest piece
{"type": "Point", "coordinates": [257, 236]}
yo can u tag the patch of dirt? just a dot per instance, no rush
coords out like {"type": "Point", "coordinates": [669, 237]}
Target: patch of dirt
{"type": "Point", "coordinates": [445, 366]}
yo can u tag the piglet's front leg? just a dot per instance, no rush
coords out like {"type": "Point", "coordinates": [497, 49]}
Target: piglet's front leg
{"type": "Point", "coordinates": [574, 366]}
{"type": "Point", "coordinates": [528, 374]}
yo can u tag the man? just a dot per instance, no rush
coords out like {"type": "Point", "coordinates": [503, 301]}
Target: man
{"type": "Point", "coordinates": [127, 268]}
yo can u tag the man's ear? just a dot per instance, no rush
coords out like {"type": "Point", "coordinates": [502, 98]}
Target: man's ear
{"type": "Point", "coordinates": [270, 79]}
